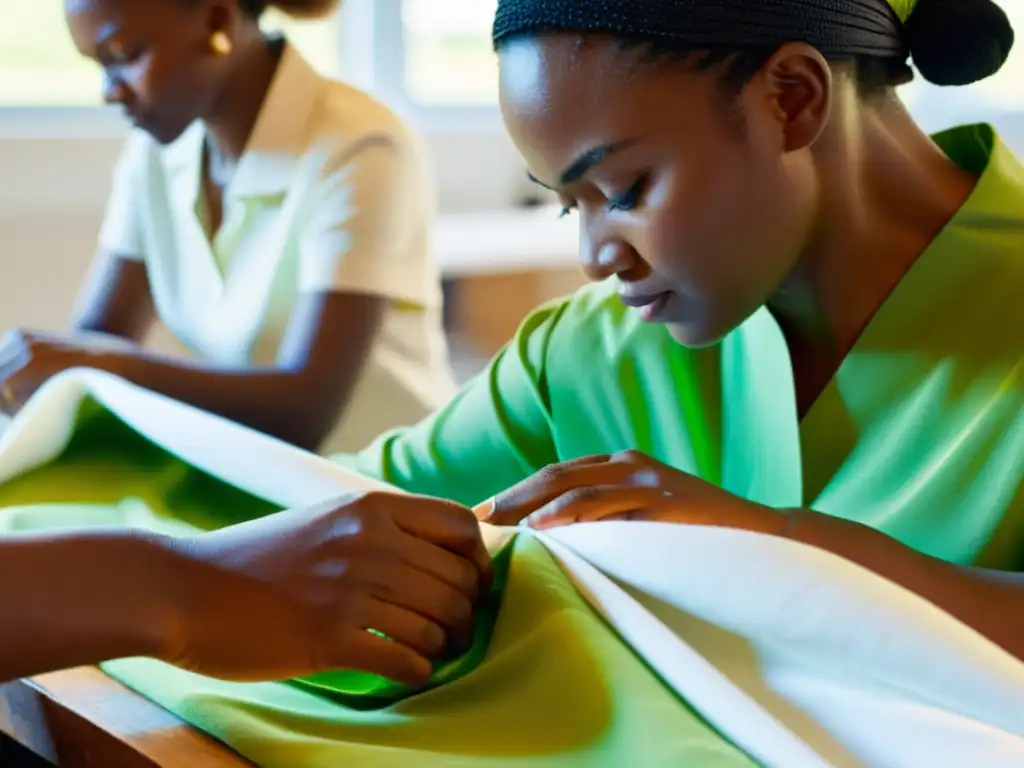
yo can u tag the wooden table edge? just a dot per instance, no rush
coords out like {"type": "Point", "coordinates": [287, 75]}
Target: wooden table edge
{"type": "Point", "coordinates": [82, 718]}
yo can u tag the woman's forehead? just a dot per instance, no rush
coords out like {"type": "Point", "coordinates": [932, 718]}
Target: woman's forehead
{"type": "Point", "coordinates": [561, 92]}
{"type": "Point", "coordinates": [119, 14]}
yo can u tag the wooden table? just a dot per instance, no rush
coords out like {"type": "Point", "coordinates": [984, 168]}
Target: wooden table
{"type": "Point", "coordinates": [82, 718]}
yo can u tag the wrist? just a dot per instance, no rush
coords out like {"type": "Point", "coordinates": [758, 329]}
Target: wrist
{"type": "Point", "coordinates": [157, 613]}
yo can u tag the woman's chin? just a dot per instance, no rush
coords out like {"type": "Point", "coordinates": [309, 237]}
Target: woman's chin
{"type": "Point", "coordinates": [695, 335]}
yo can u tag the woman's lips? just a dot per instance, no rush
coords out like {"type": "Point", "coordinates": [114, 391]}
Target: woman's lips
{"type": "Point", "coordinates": [650, 305]}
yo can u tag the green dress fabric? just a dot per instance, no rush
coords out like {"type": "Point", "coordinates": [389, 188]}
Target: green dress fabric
{"type": "Point", "coordinates": [547, 682]}
{"type": "Point", "coordinates": [920, 434]}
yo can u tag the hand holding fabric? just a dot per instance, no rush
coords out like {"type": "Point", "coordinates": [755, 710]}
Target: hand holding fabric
{"type": "Point", "coordinates": [29, 358]}
{"type": "Point", "coordinates": [25, 363]}
{"type": "Point", "coordinates": [625, 486]}
{"type": "Point", "coordinates": [296, 593]}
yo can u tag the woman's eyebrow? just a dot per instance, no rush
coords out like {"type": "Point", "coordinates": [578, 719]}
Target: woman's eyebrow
{"type": "Point", "coordinates": [582, 165]}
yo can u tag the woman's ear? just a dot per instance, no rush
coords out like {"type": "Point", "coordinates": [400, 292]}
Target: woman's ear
{"type": "Point", "coordinates": [799, 92]}
{"type": "Point", "coordinates": [220, 15]}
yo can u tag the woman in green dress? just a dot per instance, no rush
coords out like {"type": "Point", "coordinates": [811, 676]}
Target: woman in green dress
{"type": "Point", "coordinates": [807, 317]}
{"type": "Point", "coordinates": [806, 322]}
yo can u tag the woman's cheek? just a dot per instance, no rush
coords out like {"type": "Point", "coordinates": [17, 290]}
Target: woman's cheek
{"type": "Point", "coordinates": [684, 239]}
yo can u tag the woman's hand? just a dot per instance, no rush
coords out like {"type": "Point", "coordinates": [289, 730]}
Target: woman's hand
{"type": "Point", "coordinates": [295, 593]}
{"type": "Point", "coordinates": [29, 358]}
{"type": "Point", "coordinates": [625, 486]}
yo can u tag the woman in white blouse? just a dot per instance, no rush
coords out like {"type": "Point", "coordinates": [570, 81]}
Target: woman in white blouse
{"type": "Point", "coordinates": [274, 220]}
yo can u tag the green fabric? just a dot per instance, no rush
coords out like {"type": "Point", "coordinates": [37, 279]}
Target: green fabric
{"type": "Point", "coordinates": [920, 434]}
{"type": "Point", "coordinates": [903, 8]}
{"type": "Point", "coordinates": [547, 681]}
{"type": "Point", "coordinates": [142, 486]}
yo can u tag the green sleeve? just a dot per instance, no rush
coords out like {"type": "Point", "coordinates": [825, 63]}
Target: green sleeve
{"type": "Point", "coordinates": [494, 433]}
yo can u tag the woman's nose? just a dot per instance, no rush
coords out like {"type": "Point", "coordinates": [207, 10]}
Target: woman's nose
{"type": "Point", "coordinates": [603, 260]}
{"type": "Point", "coordinates": [114, 91]}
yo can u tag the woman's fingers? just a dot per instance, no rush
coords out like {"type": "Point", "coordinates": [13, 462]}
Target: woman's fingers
{"type": "Point", "coordinates": [421, 592]}
{"type": "Point", "coordinates": [447, 567]}
{"type": "Point", "coordinates": [526, 497]}
{"type": "Point", "coordinates": [358, 649]}
{"type": "Point", "coordinates": [424, 637]}
{"type": "Point", "coordinates": [598, 502]}
{"type": "Point", "coordinates": [445, 524]}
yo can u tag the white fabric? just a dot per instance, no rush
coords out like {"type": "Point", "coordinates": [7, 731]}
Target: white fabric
{"type": "Point", "coordinates": [797, 656]}
{"type": "Point", "coordinates": [331, 194]}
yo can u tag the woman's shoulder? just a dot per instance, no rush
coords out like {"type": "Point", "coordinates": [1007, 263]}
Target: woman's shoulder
{"type": "Point", "coordinates": [350, 116]}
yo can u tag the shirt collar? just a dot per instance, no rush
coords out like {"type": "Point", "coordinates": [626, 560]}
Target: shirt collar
{"type": "Point", "coordinates": [981, 244]}
{"type": "Point", "coordinates": [278, 140]}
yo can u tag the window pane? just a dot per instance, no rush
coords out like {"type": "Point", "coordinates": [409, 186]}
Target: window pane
{"type": "Point", "coordinates": [448, 56]}
{"type": "Point", "coordinates": [39, 65]}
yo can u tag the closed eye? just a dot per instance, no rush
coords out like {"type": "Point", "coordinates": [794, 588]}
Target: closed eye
{"type": "Point", "coordinates": [116, 55]}
{"type": "Point", "coordinates": [629, 199]}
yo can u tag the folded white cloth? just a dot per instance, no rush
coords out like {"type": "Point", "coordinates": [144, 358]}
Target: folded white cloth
{"type": "Point", "coordinates": [797, 656]}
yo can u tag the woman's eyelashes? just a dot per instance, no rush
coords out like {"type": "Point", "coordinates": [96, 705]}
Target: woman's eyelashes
{"type": "Point", "coordinates": [116, 55]}
{"type": "Point", "coordinates": [627, 201]}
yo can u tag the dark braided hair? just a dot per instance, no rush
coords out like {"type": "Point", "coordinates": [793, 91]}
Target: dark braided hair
{"type": "Point", "coordinates": [951, 42]}
{"type": "Point", "coordinates": [253, 8]}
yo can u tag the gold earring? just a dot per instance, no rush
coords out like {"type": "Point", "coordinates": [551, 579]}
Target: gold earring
{"type": "Point", "coordinates": [220, 43]}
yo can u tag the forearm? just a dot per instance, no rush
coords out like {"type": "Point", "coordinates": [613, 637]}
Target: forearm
{"type": "Point", "coordinates": [73, 599]}
{"type": "Point", "coordinates": [989, 602]}
{"type": "Point", "coordinates": [271, 400]}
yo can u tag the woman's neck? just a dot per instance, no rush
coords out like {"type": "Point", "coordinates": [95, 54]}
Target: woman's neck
{"type": "Point", "coordinates": [233, 117]}
{"type": "Point", "coordinates": [886, 192]}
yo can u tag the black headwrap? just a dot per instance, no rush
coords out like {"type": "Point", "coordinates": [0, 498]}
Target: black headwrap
{"type": "Point", "coordinates": [834, 27]}
{"type": "Point", "coordinates": [981, 33]}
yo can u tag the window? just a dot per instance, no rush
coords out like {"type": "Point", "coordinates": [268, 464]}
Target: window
{"type": "Point", "coordinates": [448, 55]}
{"type": "Point", "coordinates": [39, 66]}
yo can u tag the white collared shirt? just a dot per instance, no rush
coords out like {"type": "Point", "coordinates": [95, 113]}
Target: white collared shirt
{"type": "Point", "coordinates": [331, 194]}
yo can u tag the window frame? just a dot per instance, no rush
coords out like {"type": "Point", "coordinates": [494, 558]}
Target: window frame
{"type": "Point", "coordinates": [389, 62]}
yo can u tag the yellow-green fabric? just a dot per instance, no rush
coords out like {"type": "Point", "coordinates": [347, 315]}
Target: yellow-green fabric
{"type": "Point", "coordinates": [903, 8]}
{"type": "Point", "coordinates": [547, 683]}
{"type": "Point", "coordinates": [920, 434]}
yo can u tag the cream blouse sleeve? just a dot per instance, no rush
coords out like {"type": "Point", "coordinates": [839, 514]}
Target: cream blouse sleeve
{"type": "Point", "coordinates": [121, 234]}
{"type": "Point", "coordinates": [367, 226]}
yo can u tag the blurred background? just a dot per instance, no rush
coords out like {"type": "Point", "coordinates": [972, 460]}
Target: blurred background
{"type": "Point", "coordinates": [431, 60]}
